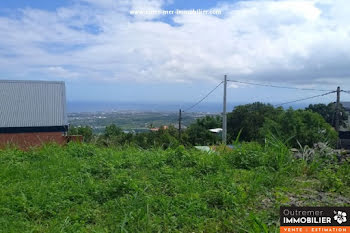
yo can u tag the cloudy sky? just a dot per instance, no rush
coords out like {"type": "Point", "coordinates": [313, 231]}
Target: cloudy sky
{"type": "Point", "coordinates": [104, 53]}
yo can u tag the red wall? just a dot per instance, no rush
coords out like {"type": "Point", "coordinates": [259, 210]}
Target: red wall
{"type": "Point", "coordinates": [27, 140]}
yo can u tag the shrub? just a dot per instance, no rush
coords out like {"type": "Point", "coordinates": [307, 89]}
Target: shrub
{"type": "Point", "coordinates": [85, 131]}
{"type": "Point", "coordinates": [247, 156]}
{"type": "Point", "coordinates": [81, 150]}
{"type": "Point", "coordinates": [330, 180]}
{"type": "Point", "coordinates": [344, 173]}
{"type": "Point", "coordinates": [180, 157]}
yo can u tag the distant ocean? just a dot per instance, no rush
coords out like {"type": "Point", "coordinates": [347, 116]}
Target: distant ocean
{"type": "Point", "coordinates": [154, 107]}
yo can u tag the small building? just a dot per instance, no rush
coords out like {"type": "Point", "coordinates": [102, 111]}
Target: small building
{"type": "Point", "coordinates": [216, 130]}
{"type": "Point", "coordinates": [32, 113]}
{"type": "Point", "coordinates": [165, 127]}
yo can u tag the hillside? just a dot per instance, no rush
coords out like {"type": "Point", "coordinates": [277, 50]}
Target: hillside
{"type": "Point", "coordinates": [85, 188]}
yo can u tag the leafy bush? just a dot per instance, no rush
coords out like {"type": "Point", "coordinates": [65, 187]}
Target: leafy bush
{"type": "Point", "coordinates": [344, 174]}
{"type": "Point", "coordinates": [85, 131]}
{"type": "Point", "coordinates": [274, 155]}
{"type": "Point", "coordinates": [180, 157]}
{"type": "Point", "coordinates": [300, 127]}
{"type": "Point", "coordinates": [83, 150]}
{"type": "Point", "coordinates": [330, 180]}
{"type": "Point", "coordinates": [247, 156]}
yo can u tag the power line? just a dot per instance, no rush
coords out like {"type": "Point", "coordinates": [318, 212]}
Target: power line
{"type": "Point", "coordinates": [347, 92]}
{"type": "Point", "coordinates": [312, 97]}
{"type": "Point", "coordinates": [194, 105]}
{"type": "Point", "coordinates": [268, 85]}
{"type": "Point", "coordinates": [275, 86]}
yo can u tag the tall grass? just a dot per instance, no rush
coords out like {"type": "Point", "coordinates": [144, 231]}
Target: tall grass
{"type": "Point", "coordinates": [86, 188]}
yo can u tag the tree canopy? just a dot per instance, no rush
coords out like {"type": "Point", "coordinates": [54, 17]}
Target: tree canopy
{"type": "Point", "coordinates": [300, 127]}
{"type": "Point", "coordinates": [257, 121]}
{"type": "Point", "coordinates": [198, 133]}
{"type": "Point", "coordinates": [249, 119]}
{"type": "Point", "coordinates": [328, 113]}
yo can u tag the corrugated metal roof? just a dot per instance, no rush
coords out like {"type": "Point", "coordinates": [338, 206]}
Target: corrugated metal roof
{"type": "Point", "coordinates": [32, 103]}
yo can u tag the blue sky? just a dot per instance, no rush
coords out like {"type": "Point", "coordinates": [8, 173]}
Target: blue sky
{"type": "Point", "coordinates": [53, 5]}
{"type": "Point", "coordinates": [41, 4]}
{"type": "Point", "coordinates": [105, 54]}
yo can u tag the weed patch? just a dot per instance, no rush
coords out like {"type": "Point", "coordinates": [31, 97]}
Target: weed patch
{"type": "Point", "coordinates": [87, 188]}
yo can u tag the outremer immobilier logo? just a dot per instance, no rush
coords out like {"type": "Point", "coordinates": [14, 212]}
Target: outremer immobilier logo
{"type": "Point", "coordinates": [314, 219]}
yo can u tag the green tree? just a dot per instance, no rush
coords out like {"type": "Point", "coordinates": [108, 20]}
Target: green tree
{"type": "Point", "coordinates": [250, 118]}
{"type": "Point", "coordinates": [198, 133]}
{"type": "Point", "coordinates": [113, 135]}
{"type": "Point", "coordinates": [210, 122]}
{"type": "Point", "coordinates": [299, 126]}
{"type": "Point", "coordinates": [165, 137]}
{"type": "Point", "coordinates": [112, 131]}
{"type": "Point", "coordinates": [328, 113]}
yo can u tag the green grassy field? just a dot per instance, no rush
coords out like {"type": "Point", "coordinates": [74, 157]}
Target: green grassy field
{"type": "Point", "coordinates": [84, 188]}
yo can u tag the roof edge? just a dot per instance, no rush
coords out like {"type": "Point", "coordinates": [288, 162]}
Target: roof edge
{"type": "Point", "coordinates": [39, 129]}
{"type": "Point", "coordinates": [31, 81]}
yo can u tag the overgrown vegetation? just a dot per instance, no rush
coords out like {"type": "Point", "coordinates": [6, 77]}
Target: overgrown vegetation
{"type": "Point", "coordinates": [254, 122]}
{"type": "Point", "coordinates": [154, 182]}
{"type": "Point", "coordinates": [328, 113]}
{"type": "Point", "coordinates": [89, 188]}
{"type": "Point", "coordinates": [258, 120]}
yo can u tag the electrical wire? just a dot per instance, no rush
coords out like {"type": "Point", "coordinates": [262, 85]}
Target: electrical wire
{"type": "Point", "coordinates": [312, 97]}
{"type": "Point", "coordinates": [275, 86]}
{"type": "Point", "coordinates": [347, 92]}
{"type": "Point", "coordinates": [194, 105]}
{"type": "Point", "coordinates": [268, 85]}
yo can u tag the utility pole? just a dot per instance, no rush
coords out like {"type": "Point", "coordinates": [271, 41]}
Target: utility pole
{"type": "Point", "coordinates": [337, 111]}
{"type": "Point", "coordinates": [180, 124]}
{"type": "Point", "coordinates": [337, 116]}
{"type": "Point", "coordinates": [224, 116]}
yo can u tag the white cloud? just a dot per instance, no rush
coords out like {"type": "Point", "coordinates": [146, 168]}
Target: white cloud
{"type": "Point", "coordinates": [233, 86]}
{"type": "Point", "coordinates": [298, 41]}
{"type": "Point", "coordinates": [58, 71]}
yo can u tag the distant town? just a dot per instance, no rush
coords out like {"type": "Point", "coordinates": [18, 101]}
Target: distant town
{"type": "Point", "coordinates": [131, 121]}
